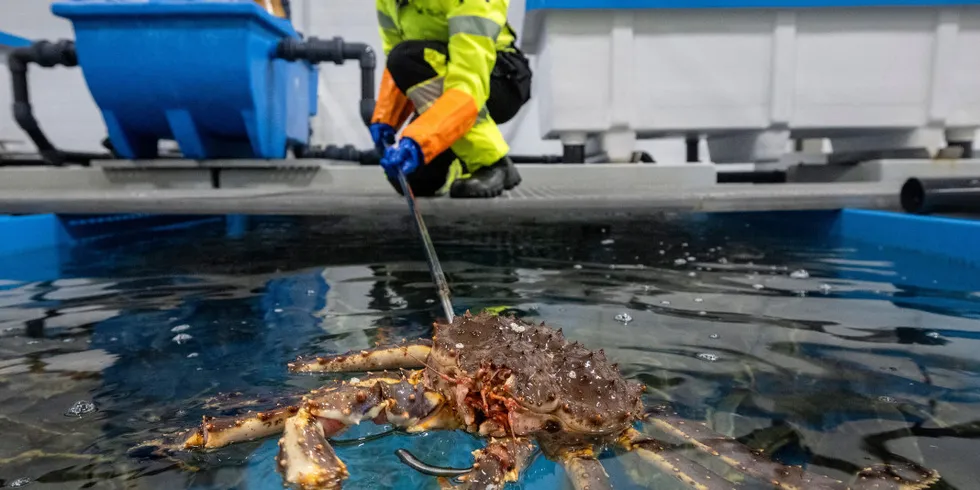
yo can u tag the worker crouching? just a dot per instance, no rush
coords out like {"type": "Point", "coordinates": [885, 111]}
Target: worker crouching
{"type": "Point", "coordinates": [455, 64]}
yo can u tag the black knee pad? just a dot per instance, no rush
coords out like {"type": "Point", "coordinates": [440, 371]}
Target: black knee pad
{"type": "Point", "coordinates": [428, 179]}
{"type": "Point", "coordinates": [407, 65]}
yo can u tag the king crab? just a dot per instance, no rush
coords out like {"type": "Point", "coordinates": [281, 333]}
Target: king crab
{"type": "Point", "coordinates": [519, 385]}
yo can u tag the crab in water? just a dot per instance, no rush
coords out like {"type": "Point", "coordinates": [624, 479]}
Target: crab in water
{"type": "Point", "coordinates": [521, 386]}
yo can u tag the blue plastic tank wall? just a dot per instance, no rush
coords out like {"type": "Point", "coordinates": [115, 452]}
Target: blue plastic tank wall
{"type": "Point", "coordinates": [11, 41]}
{"type": "Point", "coordinates": [199, 72]}
{"type": "Point", "coordinates": [32, 246]}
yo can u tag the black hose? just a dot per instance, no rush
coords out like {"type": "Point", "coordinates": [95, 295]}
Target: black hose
{"type": "Point", "coordinates": [536, 158]}
{"type": "Point", "coordinates": [336, 50]}
{"type": "Point", "coordinates": [347, 153]}
{"type": "Point", "coordinates": [427, 469]}
{"type": "Point", "coordinates": [45, 54]}
{"type": "Point", "coordinates": [752, 177]}
{"type": "Point", "coordinates": [923, 196]}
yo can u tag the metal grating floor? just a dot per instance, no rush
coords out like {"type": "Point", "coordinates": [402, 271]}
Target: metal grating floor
{"type": "Point", "coordinates": [524, 200]}
{"type": "Point", "coordinates": [185, 187]}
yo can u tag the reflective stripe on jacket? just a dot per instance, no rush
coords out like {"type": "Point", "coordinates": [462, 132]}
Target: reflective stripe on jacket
{"type": "Point", "coordinates": [474, 30]}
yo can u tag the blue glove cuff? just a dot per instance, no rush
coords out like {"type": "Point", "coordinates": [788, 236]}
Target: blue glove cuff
{"type": "Point", "coordinates": [414, 157]}
{"type": "Point", "coordinates": [382, 134]}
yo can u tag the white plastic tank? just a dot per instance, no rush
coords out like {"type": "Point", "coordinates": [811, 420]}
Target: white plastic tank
{"type": "Point", "coordinates": [750, 74]}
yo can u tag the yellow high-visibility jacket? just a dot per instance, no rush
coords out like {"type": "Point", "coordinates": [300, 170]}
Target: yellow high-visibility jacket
{"type": "Point", "coordinates": [474, 30]}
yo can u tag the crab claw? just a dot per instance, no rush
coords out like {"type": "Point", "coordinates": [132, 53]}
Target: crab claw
{"type": "Point", "coordinates": [306, 459]}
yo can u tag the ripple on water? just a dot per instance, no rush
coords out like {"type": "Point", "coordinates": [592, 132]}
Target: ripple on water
{"type": "Point", "coordinates": [809, 365]}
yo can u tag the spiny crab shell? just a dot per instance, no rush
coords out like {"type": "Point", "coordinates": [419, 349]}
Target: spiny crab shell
{"type": "Point", "coordinates": [516, 384]}
{"type": "Point", "coordinates": [530, 380]}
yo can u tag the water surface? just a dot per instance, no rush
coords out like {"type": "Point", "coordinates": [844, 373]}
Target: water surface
{"type": "Point", "coordinates": [836, 355]}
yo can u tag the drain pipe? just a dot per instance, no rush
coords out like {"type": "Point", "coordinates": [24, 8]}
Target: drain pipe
{"type": "Point", "coordinates": [46, 55]}
{"type": "Point", "coordinates": [336, 50]}
{"type": "Point", "coordinates": [941, 195]}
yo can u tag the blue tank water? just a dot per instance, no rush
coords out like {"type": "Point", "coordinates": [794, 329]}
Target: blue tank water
{"type": "Point", "coordinates": [200, 72]}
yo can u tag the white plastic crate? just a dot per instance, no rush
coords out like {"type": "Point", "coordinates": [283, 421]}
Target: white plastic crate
{"type": "Point", "coordinates": [749, 77]}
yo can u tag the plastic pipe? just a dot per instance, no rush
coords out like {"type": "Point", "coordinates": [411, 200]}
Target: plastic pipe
{"type": "Point", "coordinates": [347, 153]}
{"type": "Point", "coordinates": [45, 54]}
{"type": "Point", "coordinates": [536, 159]}
{"type": "Point", "coordinates": [336, 50]}
{"type": "Point", "coordinates": [923, 196]}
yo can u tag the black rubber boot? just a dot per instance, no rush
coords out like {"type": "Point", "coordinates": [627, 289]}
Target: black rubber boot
{"type": "Point", "coordinates": [487, 182]}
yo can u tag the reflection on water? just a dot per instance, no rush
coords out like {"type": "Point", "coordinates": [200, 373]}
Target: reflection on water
{"type": "Point", "coordinates": [868, 354]}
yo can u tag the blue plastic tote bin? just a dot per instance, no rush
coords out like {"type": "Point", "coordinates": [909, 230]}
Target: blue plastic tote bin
{"type": "Point", "coordinates": [200, 72]}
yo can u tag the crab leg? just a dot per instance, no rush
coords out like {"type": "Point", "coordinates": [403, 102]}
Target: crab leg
{"type": "Point", "coordinates": [584, 470]}
{"type": "Point", "coordinates": [685, 470]}
{"type": "Point", "coordinates": [305, 456]}
{"type": "Point", "coordinates": [404, 356]}
{"type": "Point", "coordinates": [741, 457]}
{"type": "Point", "coordinates": [218, 432]}
{"type": "Point", "coordinates": [501, 462]}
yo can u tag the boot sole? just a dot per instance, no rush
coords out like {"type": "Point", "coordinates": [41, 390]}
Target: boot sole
{"type": "Point", "coordinates": [512, 178]}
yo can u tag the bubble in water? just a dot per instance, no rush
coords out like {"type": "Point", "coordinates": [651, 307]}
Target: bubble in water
{"type": "Point", "coordinates": [576, 266]}
{"type": "Point", "coordinates": [758, 286]}
{"type": "Point", "coordinates": [571, 374]}
{"type": "Point", "coordinates": [684, 244]}
{"type": "Point", "coordinates": [113, 339]}
{"type": "Point", "coordinates": [714, 336]}
{"type": "Point", "coordinates": [705, 356]}
{"type": "Point", "coordinates": [624, 318]}
{"type": "Point", "coordinates": [32, 342]}
{"type": "Point", "coordinates": [825, 288]}
{"type": "Point", "coordinates": [662, 252]}
{"type": "Point", "coordinates": [933, 335]}
{"type": "Point", "coordinates": [278, 310]}
{"type": "Point", "coordinates": [20, 482]}
{"type": "Point", "coordinates": [692, 274]}
{"type": "Point", "coordinates": [79, 408]}
{"type": "Point", "coordinates": [680, 262]}
{"type": "Point", "coordinates": [722, 260]}
{"type": "Point", "coordinates": [180, 328]}
{"type": "Point", "coordinates": [699, 300]}
{"type": "Point", "coordinates": [665, 303]}
{"type": "Point", "coordinates": [608, 241]}
{"type": "Point", "coordinates": [181, 338]}
{"type": "Point", "coordinates": [192, 355]}
{"type": "Point", "coordinates": [310, 292]}
{"type": "Point", "coordinates": [430, 301]}
{"type": "Point", "coordinates": [799, 274]}
{"type": "Point", "coordinates": [702, 313]}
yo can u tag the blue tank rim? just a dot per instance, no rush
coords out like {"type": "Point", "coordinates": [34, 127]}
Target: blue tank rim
{"type": "Point", "coordinates": [81, 9]}
{"type": "Point", "coordinates": [13, 41]}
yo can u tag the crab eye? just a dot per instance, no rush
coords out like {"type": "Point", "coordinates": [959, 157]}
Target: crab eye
{"type": "Point", "coordinates": [552, 426]}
